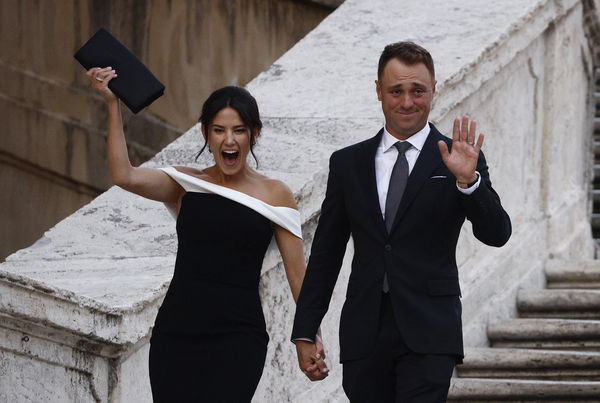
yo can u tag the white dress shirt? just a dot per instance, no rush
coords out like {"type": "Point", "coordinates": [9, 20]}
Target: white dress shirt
{"type": "Point", "coordinates": [386, 155]}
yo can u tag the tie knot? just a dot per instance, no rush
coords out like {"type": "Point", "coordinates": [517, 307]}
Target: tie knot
{"type": "Point", "coordinates": [402, 146]}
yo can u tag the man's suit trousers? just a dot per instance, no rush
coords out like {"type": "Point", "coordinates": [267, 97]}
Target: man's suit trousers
{"type": "Point", "coordinates": [393, 373]}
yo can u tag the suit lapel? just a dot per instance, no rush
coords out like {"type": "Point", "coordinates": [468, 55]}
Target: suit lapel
{"type": "Point", "coordinates": [368, 179]}
{"type": "Point", "coordinates": [429, 159]}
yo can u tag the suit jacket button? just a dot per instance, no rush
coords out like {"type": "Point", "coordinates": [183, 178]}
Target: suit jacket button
{"type": "Point", "coordinates": [388, 247]}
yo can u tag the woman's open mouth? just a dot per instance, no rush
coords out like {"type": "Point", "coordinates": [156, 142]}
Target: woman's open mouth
{"type": "Point", "coordinates": [230, 158]}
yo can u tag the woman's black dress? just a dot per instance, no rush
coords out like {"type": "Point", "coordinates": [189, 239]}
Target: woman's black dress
{"type": "Point", "coordinates": [209, 340]}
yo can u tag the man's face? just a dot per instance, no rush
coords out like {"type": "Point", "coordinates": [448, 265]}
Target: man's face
{"type": "Point", "coordinates": [405, 92]}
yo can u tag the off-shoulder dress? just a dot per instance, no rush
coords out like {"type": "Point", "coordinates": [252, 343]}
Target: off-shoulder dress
{"type": "Point", "coordinates": [209, 340]}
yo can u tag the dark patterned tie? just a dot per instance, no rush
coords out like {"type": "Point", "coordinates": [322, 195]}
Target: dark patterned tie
{"type": "Point", "coordinates": [396, 188]}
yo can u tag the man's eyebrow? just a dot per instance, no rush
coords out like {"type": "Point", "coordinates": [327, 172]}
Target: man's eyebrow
{"type": "Point", "coordinates": [413, 84]}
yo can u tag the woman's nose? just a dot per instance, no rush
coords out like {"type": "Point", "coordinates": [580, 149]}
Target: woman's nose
{"type": "Point", "coordinates": [229, 138]}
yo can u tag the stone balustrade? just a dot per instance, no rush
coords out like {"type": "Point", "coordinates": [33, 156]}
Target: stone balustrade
{"type": "Point", "coordinates": [77, 307]}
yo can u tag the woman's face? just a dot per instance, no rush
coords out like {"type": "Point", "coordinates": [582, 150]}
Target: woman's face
{"type": "Point", "coordinates": [229, 141]}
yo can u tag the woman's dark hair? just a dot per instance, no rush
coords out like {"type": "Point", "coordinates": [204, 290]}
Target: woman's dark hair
{"type": "Point", "coordinates": [239, 99]}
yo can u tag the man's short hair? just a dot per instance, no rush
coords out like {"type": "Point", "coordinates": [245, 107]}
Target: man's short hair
{"type": "Point", "coordinates": [408, 53]}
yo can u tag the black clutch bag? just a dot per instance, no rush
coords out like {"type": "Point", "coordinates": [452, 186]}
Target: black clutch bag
{"type": "Point", "coordinates": [135, 85]}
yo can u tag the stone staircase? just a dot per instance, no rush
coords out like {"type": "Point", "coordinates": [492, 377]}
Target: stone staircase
{"type": "Point", "coordinates": [596, 180]}
{"type": "Point", "coordinates": [551, 353]}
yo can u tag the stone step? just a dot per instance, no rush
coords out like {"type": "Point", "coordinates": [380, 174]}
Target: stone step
{"type": "Point", "coordinates": [596, 195]}
{"type": "Point", "coordinates": [567, 304]}
{"type": "Point", "coordinates": [573, 274]}
{"type": "Point", "coordinates": [548, 334]}
{"type": "Point", "coordinates": [595, 221]}
{"type": "Point", "coordinates": [474, 390]}
{"type": "Point", "coordinates": [596, 124]}
{"type": "Point", "coordinates": [596, 170]}
{"type": "Point", "coordinates": [596, 148]}
{"type": "Point", "coordinates": [530, 364]}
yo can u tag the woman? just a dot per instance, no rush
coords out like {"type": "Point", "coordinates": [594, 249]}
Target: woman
{"type": "Point", "coordinates": [209, 340]}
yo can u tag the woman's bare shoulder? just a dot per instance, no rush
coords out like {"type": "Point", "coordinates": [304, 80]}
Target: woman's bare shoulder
{"type": "Point", "coordinates": [278, 193]}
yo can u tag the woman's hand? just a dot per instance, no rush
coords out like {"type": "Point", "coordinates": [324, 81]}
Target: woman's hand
{"type": "Point", "coordinates": [320, 356]}
{"type": "Point", "coordinates": [150, 183]}
{"type": "Point", "coordinates": [99, 79]}
{"type": "Point", "coordinates": [311, 359]}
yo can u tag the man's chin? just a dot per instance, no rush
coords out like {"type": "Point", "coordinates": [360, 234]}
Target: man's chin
{"type": "Point", "coordinates": [404, 131]}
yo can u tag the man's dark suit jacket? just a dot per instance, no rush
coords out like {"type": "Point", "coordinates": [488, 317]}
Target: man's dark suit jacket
{"type": "Point", "coordinates": [418, 255]}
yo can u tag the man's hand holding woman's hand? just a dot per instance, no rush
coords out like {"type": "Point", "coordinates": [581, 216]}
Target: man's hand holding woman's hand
{"type": "Point", "coordinates": [311, 357]}
{"type": "Point", "coordinates": [99, 79]}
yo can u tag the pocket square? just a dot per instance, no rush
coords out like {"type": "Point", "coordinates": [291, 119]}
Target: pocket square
{"type": "Point", "coordinates": [439, 177]}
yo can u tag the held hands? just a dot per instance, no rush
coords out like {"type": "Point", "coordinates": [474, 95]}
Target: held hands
{"type": "Point", "coordinates": [311, 358]}
{"type": "Point", "coordinates": [99, 79]}
{"type": "Point", "coordinates": [462, 161]}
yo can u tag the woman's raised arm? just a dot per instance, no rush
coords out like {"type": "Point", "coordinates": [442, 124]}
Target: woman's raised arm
{"type": "Point", "coordinates": [147, 182]}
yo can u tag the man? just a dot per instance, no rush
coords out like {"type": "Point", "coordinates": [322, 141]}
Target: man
{"type": "Point", "coordinates": [404, 205]}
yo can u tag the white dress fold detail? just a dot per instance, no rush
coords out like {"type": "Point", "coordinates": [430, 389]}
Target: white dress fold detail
{"type": "Point", "coordinates": [285, 217]}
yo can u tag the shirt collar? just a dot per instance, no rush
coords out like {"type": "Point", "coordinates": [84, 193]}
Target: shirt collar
{"type": "Point", "coordinates": [416, 140]}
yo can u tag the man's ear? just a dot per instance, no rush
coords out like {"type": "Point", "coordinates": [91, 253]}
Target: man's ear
{"type": "Point", "coordinates": [433, 88]}
{"type": "Point", "coordinates": [378, 89]}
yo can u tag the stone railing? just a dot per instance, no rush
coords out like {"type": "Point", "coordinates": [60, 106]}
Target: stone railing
{"type": "Point", "coordinates": [77, 307]}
